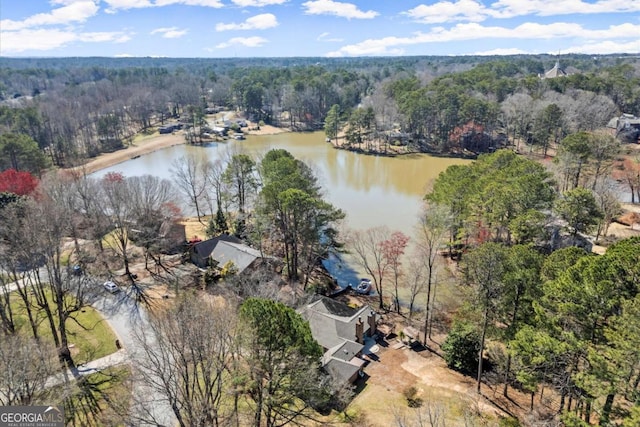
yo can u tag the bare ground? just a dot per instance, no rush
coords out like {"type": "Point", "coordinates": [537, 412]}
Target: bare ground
{"type": "Point", "coordinates": [145, 144]}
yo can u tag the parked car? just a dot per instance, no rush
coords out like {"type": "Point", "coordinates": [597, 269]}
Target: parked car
{"type": "Point", "coordinates": [111, 287]}
{"type": "Point", "coordinates": [77, 270]}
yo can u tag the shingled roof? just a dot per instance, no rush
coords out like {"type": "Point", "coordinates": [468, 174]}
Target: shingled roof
{"type": "Point", "coordinates": [333, 325]}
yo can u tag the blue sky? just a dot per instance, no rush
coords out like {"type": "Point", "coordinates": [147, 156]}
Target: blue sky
{"type": "Point", "coordinates": [332, 28]}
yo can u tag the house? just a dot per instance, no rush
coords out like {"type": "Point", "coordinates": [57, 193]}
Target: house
{"type": "Point", "coordinates": [626, 128]}
{"type": "Point", "coordinates": [220, 250]}
{"type": "Point", "coordinates": [340, 330]}
{"type": "Point", "coordinates": [556, 71]}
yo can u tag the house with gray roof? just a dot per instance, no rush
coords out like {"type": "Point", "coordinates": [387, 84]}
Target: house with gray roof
{"type": "Point", "coordinates": [626, 128]}
{"type": "Point", "coordinates": [340, 330]}
{"type": "Point", "coordinates": [220, 250]}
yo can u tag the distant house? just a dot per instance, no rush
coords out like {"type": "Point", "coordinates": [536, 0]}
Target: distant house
{"type": "Point", "coordinates": [222, 249]}
{"type": "Point", "coordinates": [556, 71]}
{"type": "Point", "coordinates": [340, 330]}
{"type": "Point", "coordinates": [626, 128]}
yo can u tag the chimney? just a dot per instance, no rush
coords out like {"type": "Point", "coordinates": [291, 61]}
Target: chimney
{"type": "Point", "coordinates": [371, 319]}
{"type": "Point", "coordinates": [360, 331]}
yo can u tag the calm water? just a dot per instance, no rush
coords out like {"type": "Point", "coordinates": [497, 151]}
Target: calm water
{"type": "Point", "coordinates": [371, 190]}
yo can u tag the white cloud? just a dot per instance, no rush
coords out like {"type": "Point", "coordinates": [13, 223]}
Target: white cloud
{"type": "Point", "coordinates": [445, 11]}
{"type": "Point", "coordinates": [123, 55]}
{"type": "Point", "coordinates": [115, 5]}
{"type": "Point", "coordinates": [511, 8]}
{"type": "Point", "coordinates": [324, 37]}
{"type": "Point", "coordinates": [473, 31]}
{"type": "Point", "coordinates": [606, 47]}
{"type": "Point", "coordinates": [204, 3]}
{"type": "Point", "coordinates": [77, 11]}
{"type": "Point", "coordinates": [343, 10]}
{"type": "Point", "coordinates": [170, 32]}
{"type": "Point", "coordinates": [501, 51]}
{"type": "Point", "coordinates": [243, 41]}
{"type": "Point", "coordinates": [258, 22]}
{"type": "Point", "coordinates": [476, 11]}
{"type": "Point", "coordinates": [48, 39]}
{"type": "Point", "coordinates": [257, 3]}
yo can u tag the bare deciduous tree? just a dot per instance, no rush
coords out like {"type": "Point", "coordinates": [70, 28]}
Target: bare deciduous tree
{"type": "Point", "coordinates": [185, 359]}
{"type": "Point", "coordinates": [26, 365]}
{"type": "Point", "coordinates": [368, 252]}
{"type": "Point", "coordinates": [189, 177]}
{"type": "Point", "coordinates": [433, 229]}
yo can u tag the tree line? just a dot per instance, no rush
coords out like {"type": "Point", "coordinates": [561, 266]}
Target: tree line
{"type": "Point", "coordinates": [93, 106]}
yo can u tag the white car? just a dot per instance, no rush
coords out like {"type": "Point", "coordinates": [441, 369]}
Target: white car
{"type": "Point", "coordinates": [110, 286]}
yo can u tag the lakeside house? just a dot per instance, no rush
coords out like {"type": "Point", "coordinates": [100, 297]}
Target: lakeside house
{"type": "Point", "coordinates": [222, 249]}
{"type": "Point", "coordinates": [340, 330]}
{"type": "Point", "coordinates": [626, 128]}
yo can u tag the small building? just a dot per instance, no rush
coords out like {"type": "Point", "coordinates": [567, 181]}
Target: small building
{"type": "Point", "coordinates": [220, 250]}
{"type": "Point", "coordinates": [626, 128]}
{"type": "Point", "coordinates": [340, 330]}
{"type": "Point", "coordinates": [556, 71]}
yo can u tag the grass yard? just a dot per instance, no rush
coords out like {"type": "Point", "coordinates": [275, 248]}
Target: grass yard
{"type": "Point", "coordinates": [101, 399]}
{"type": "Point", "coordinates": [87, 331]}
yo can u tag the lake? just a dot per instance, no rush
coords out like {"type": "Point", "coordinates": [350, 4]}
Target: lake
{"type": "Point", "coordinates": [371, 190]}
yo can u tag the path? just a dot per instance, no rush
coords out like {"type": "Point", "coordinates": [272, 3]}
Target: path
{"type": "Point", "coordinates": [122, 315]}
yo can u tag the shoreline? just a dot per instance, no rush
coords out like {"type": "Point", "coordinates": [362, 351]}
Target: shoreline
{"type": "Point", "coordinates": [147, 144]}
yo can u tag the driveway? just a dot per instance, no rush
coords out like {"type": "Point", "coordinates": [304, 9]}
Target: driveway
{"type": "Point", "coordinates": [123, 315]}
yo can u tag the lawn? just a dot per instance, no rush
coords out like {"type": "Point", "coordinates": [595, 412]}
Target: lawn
{"type": "Point", "coordinates": [90, 336]}
{"type": "Point", "coordinates": [101, 399]}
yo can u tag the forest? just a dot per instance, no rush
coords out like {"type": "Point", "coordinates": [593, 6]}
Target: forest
{"type": "Point", "coordinates": [76, 108]}
{"type": "Point", "coordinates": [507, 236]}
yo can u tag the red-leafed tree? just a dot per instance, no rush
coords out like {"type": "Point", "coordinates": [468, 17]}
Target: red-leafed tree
{"type": "Point", "coordinates": [392, 250]}
{"type": "Point", "coordinates": [17, 182]}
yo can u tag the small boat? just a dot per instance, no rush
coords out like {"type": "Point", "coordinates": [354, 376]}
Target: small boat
{"type": "Point", "coordinates": [364, 287]}
{"type": "Point", "coordinates": [238, 136]}
{"type": "Point", "coordinates": [136, 157]}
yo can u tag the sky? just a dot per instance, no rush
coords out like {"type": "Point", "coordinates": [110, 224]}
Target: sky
{"type": "Point", "coordinates": [315, 28]}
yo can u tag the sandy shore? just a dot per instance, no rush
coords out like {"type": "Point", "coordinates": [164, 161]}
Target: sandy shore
{"type": "Point", "coordinates": [140, 146]}
{"type": "Point", "coordinates": [148, 144]}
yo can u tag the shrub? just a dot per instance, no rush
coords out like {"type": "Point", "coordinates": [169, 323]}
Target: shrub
{"type": "Point", "coordinates": [411, 394]}
{"type": "Point", "coordinates": [461, 347]}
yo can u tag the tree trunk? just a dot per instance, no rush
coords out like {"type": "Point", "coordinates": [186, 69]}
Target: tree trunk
{"type": "Point", "coordinates": [481, 352]}
{"type": "Point", "coordinates": [606, 409]}
{"type": "Point", "coordinates": [427, 334]}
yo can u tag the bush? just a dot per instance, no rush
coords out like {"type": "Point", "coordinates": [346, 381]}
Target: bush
{"type": "Point", "coordinates": [411, 394]}
{"type": "Point", "coordinates": [461, 347]}
{"type": "Point", "coordinates": [509, 422]}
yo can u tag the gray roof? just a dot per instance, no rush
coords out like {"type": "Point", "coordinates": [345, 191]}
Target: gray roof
{"type": "Point", "coordinates": [347, 350]}
{"type": "Point", "coordinates": [332, 322]}
{"type": "Point", "coordinates": [241, 255]}
{"type": "Point", "coordinates": [556, 71]}
{"type": "Point", "coordinates": [205, 248]}
{"type": "Point", "coordinates": [341, 370]}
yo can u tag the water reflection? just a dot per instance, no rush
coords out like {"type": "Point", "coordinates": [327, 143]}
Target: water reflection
{"type": "Point", "coordinates": [372, 190]}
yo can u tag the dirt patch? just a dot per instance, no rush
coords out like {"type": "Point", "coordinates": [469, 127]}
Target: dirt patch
{"type": "Point", "coordinates": [628, 225]}
{"type": "Point", "coordinates": [397, 369]}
